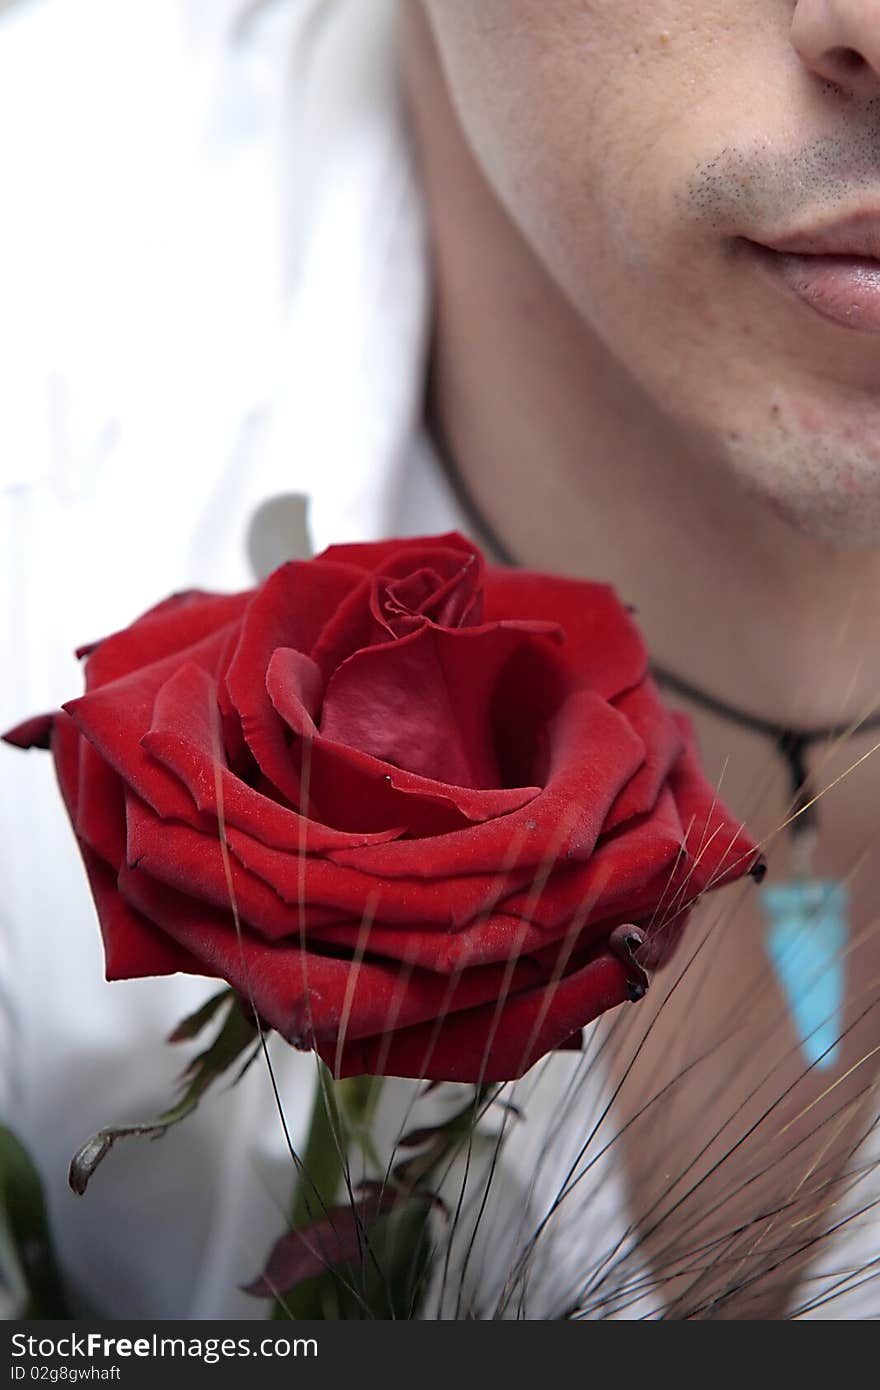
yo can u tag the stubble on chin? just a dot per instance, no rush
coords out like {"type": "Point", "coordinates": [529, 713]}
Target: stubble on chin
{"type": "Point", "coordinates": [818, 475]}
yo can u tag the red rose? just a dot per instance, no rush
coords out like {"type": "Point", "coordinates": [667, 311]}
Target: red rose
{"type": "Point", "coordinates": [403, 803]}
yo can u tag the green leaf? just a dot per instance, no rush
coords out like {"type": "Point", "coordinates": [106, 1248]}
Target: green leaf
{"type": "Point", "coordinates": [29, 1273]}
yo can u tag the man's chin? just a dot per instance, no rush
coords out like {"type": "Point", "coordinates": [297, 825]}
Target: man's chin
{"type": "Point", "coordinates": [820, 486]}
{"type": "Point", "coordinates": [834, 512]}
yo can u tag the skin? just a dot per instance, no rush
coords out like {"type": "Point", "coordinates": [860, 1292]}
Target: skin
{"type": "Point", "coordinates": [628, 396]}
{"type": "Point", "coordinates": [633, 198]}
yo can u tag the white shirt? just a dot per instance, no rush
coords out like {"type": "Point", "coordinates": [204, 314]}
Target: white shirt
{"type": "Point", "coordinates": [214, 297]}
{"type": "Point", "coordinates": [148, 329]}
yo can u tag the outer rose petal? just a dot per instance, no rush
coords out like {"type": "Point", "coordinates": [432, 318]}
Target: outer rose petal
{"type": "Point", "coordinates": [65, 751]}
{"type": "Point", "coordinates": [272, 887]}
{"type": "Point", "coordinates": [185, 738]}
{"type": "Point", "coordinates": [491, 939]}
{"type": "Point", "coordinates": [719, 845]}
{"type": "Point", "coordinates": [488, 1043]}
{"type": "Point", "coordinates": [115, 717]}
{"type": "Point", "coordinates": [634, 864]}
{"type": "Point", "coordinates": [31, 733]}
{"type": "Point", "coordinates": [180, 622]}
{"type": "Point", "coordinates": [306, 996]}
{"type": "Point", "coordinates": [625, 880]}
{"type": "Point", "coordinates": [132, 946]}
{"type": "Point", "coordinates": [664, 744]}
{"type": "Point", "coordinates": [99, 816]}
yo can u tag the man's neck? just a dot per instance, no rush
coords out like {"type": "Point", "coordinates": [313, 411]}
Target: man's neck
{"type": "Point", "coordinates": [577, 471]}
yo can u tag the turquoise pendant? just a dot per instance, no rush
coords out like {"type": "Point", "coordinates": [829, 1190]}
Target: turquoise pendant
{"type": "Point", "coordinates": [806, 939]}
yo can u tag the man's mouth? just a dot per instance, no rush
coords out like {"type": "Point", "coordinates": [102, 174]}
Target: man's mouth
{"type": "Point", "coordinates": [834, 269]}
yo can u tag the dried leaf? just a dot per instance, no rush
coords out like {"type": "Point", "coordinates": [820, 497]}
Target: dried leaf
{"type": "Point", "coordinates": [417, 1137]}
{"type": "Point", "coordinates": [335, 1238]}
{"type": "Point", "coordinates": [192, 1025]}
{"type": "Point", "coordinates": [236, 1034]}
{"type": "Point", "coordinates": [339, 1237]}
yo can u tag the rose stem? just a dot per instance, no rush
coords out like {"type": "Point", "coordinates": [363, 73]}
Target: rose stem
{"type": "Point", "coordinates": [341, 1110]}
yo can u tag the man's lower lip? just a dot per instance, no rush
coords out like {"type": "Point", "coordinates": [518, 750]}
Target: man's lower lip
{"type": "Point", "coordinates": [845, 289]}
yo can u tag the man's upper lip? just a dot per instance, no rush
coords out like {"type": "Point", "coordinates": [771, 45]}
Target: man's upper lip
{"type": "Point", "coordinates": [855, 236]}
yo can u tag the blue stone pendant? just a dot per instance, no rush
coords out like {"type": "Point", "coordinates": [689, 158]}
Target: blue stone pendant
{"type": "Point", "coordinates": [806, 939]}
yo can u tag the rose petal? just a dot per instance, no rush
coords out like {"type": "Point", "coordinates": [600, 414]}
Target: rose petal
{"type": "Point", "coordinates": [664, 744]}
{"type": "Point", "coordinates": [65, 752]}
{"type": "Point", "coordinates": [603, 647]}
{"type": "Point", "coordinates": [488, 1043]}
{"type": "Point", "coordinates": [719, 846]}
{"type": "Point", "coordinates": [356, 791]}
{"type": "Point", "coordinates": [182, 621]}
{"type": "Point", "coordinates": [593, 751]}
{"type": "Point", "coordinates": [375, 556]}
{"type": "Point", "coordinates": [133, 946]}
{"type": "Point", "coordinates": [424, 702]}
{"type": "Point", "coordinates": [308, 996]}
{"type": "Point", "coordinates": [633, 866]}
{"type": "Point", "coordinates": [359, 621]}
{"type": "Point", "coordinates": [31, 733]}
{"type": "Point", "coordinates": [288, 610]}
{"type": "Point", "coordinates": [626, 877]}
{"type": "Point", "coordinates": [295, 686]}
{"type": "Point", "coordinates": [273, 889]}
{"type": "Point", "coordinates": [427, 902]}
{"type": "Point", "coordinates": [116, 716]}
{"type": "Point", "coordinates": [449, 595]}
{"type": "Point", "coordinates": [492, 939]}
{"type": "Point", "coordinates": [185, 738]}
{"type": "Point", "coordinates": [99, 818]}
